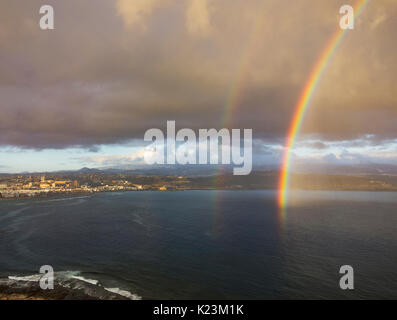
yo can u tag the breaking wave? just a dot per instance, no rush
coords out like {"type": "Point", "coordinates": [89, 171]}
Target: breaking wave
{"type": "Point", "coordinates": [32, 278]}
{"type": "Point", "coordinates": [67, 285]}
{"type": "Point", "coordinates": [94, 282]}
{"type": "Point", "coordinates": [124, 293]}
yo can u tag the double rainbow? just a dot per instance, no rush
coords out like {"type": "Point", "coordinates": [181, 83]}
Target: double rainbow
{"type": "Point", "coordinates": [304, 102]}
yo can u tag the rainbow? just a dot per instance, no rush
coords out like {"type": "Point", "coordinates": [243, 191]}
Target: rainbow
{"type": "Point", "coordinates": [236, 90]}
{"type": "Point", "coordinates": [304, 102]}
{"type": "Point", "coordinates": [242, 72]}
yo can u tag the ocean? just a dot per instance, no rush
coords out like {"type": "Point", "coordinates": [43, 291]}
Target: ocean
{"type": "Point", "coordinates": [207, 244]}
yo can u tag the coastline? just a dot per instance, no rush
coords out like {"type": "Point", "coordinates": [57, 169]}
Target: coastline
{"type": "Point", "coordinates": [66, 287]}
{"type": "Point", "coordinates": [76, 194]}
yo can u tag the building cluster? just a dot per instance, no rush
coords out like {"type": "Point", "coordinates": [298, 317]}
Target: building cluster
{"type": "Point", "coordinates": [28, 186]}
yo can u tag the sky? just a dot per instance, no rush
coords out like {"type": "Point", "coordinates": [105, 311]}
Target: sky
{"type": "Point", "coordinates": [85, 93]}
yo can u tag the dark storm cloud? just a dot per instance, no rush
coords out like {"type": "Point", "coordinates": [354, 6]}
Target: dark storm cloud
{"type": "Point", "coordinates": [111, 70]}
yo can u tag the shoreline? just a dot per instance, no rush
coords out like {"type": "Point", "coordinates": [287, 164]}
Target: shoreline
{"type": "Point", "coordinates": [76, 194]}
{"type": "Point", "coordinates": [65, 288]}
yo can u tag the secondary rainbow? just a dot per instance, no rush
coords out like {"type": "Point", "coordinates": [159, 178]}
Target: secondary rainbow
{"type": "Point", "coordinates": [304, 102]}
{"type": "Point", "coordinates": [242, 72]}
{"type": "Point", "coordinates": [236, 90]}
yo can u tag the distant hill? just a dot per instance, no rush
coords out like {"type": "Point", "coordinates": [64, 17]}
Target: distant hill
{"type": "Point", "coordinates": [210, 170]}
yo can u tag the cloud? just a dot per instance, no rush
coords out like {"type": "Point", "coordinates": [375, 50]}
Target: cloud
{"type": "Point", "coordinates": [94, 81]}
{"type": "Point", "coordinates": [114, 160]}
{"type": "Point", "coordinates": [318, 145]}
{"type": "Point", "coordinates": [360, 151]}
{"type": "Point", "coordinates": [137, 11]}
{"type": "Point", "coordinates": [198, 17]}
{"type": "Point", "coordinates": [378, 18]}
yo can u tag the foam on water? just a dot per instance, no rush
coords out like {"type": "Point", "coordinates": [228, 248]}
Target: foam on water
{"type": "Point", "coordinates": [32, 278]}
{"type": "Point", "coordinates": [124, 293]}
{"type": "Point", "coordinates": [64, 279]}
{"type": "Point", "coordinates": [94, 282]}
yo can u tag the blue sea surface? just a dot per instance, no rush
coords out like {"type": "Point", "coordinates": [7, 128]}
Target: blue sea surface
{"type": "Point", "coordinates": [209, 244]}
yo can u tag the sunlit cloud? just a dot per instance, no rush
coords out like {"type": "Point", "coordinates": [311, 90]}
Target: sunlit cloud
{"type": "Point", "coordinates": [198, 17]}
{"type": "Point", "coordinates": [137, 11]}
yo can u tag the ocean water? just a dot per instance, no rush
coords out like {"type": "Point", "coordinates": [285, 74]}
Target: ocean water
{"type": "Point", "coordinates": [208, 244]}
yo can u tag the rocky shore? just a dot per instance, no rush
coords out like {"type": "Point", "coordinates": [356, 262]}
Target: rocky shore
{"type": "Point", "coordinates": [64, 289]}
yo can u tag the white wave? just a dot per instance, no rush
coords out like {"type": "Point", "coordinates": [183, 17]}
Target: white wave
{"type": "Point", "coordinates": [67, 274]}
{"type": "Point", "coordinates": [124, 293]}
{"type": "Point", "coordinates": [91, 281]}
{"type": "Point", "coordinates": [32, 278]}
{"type": "Point", "coordinates": [74, 275]}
